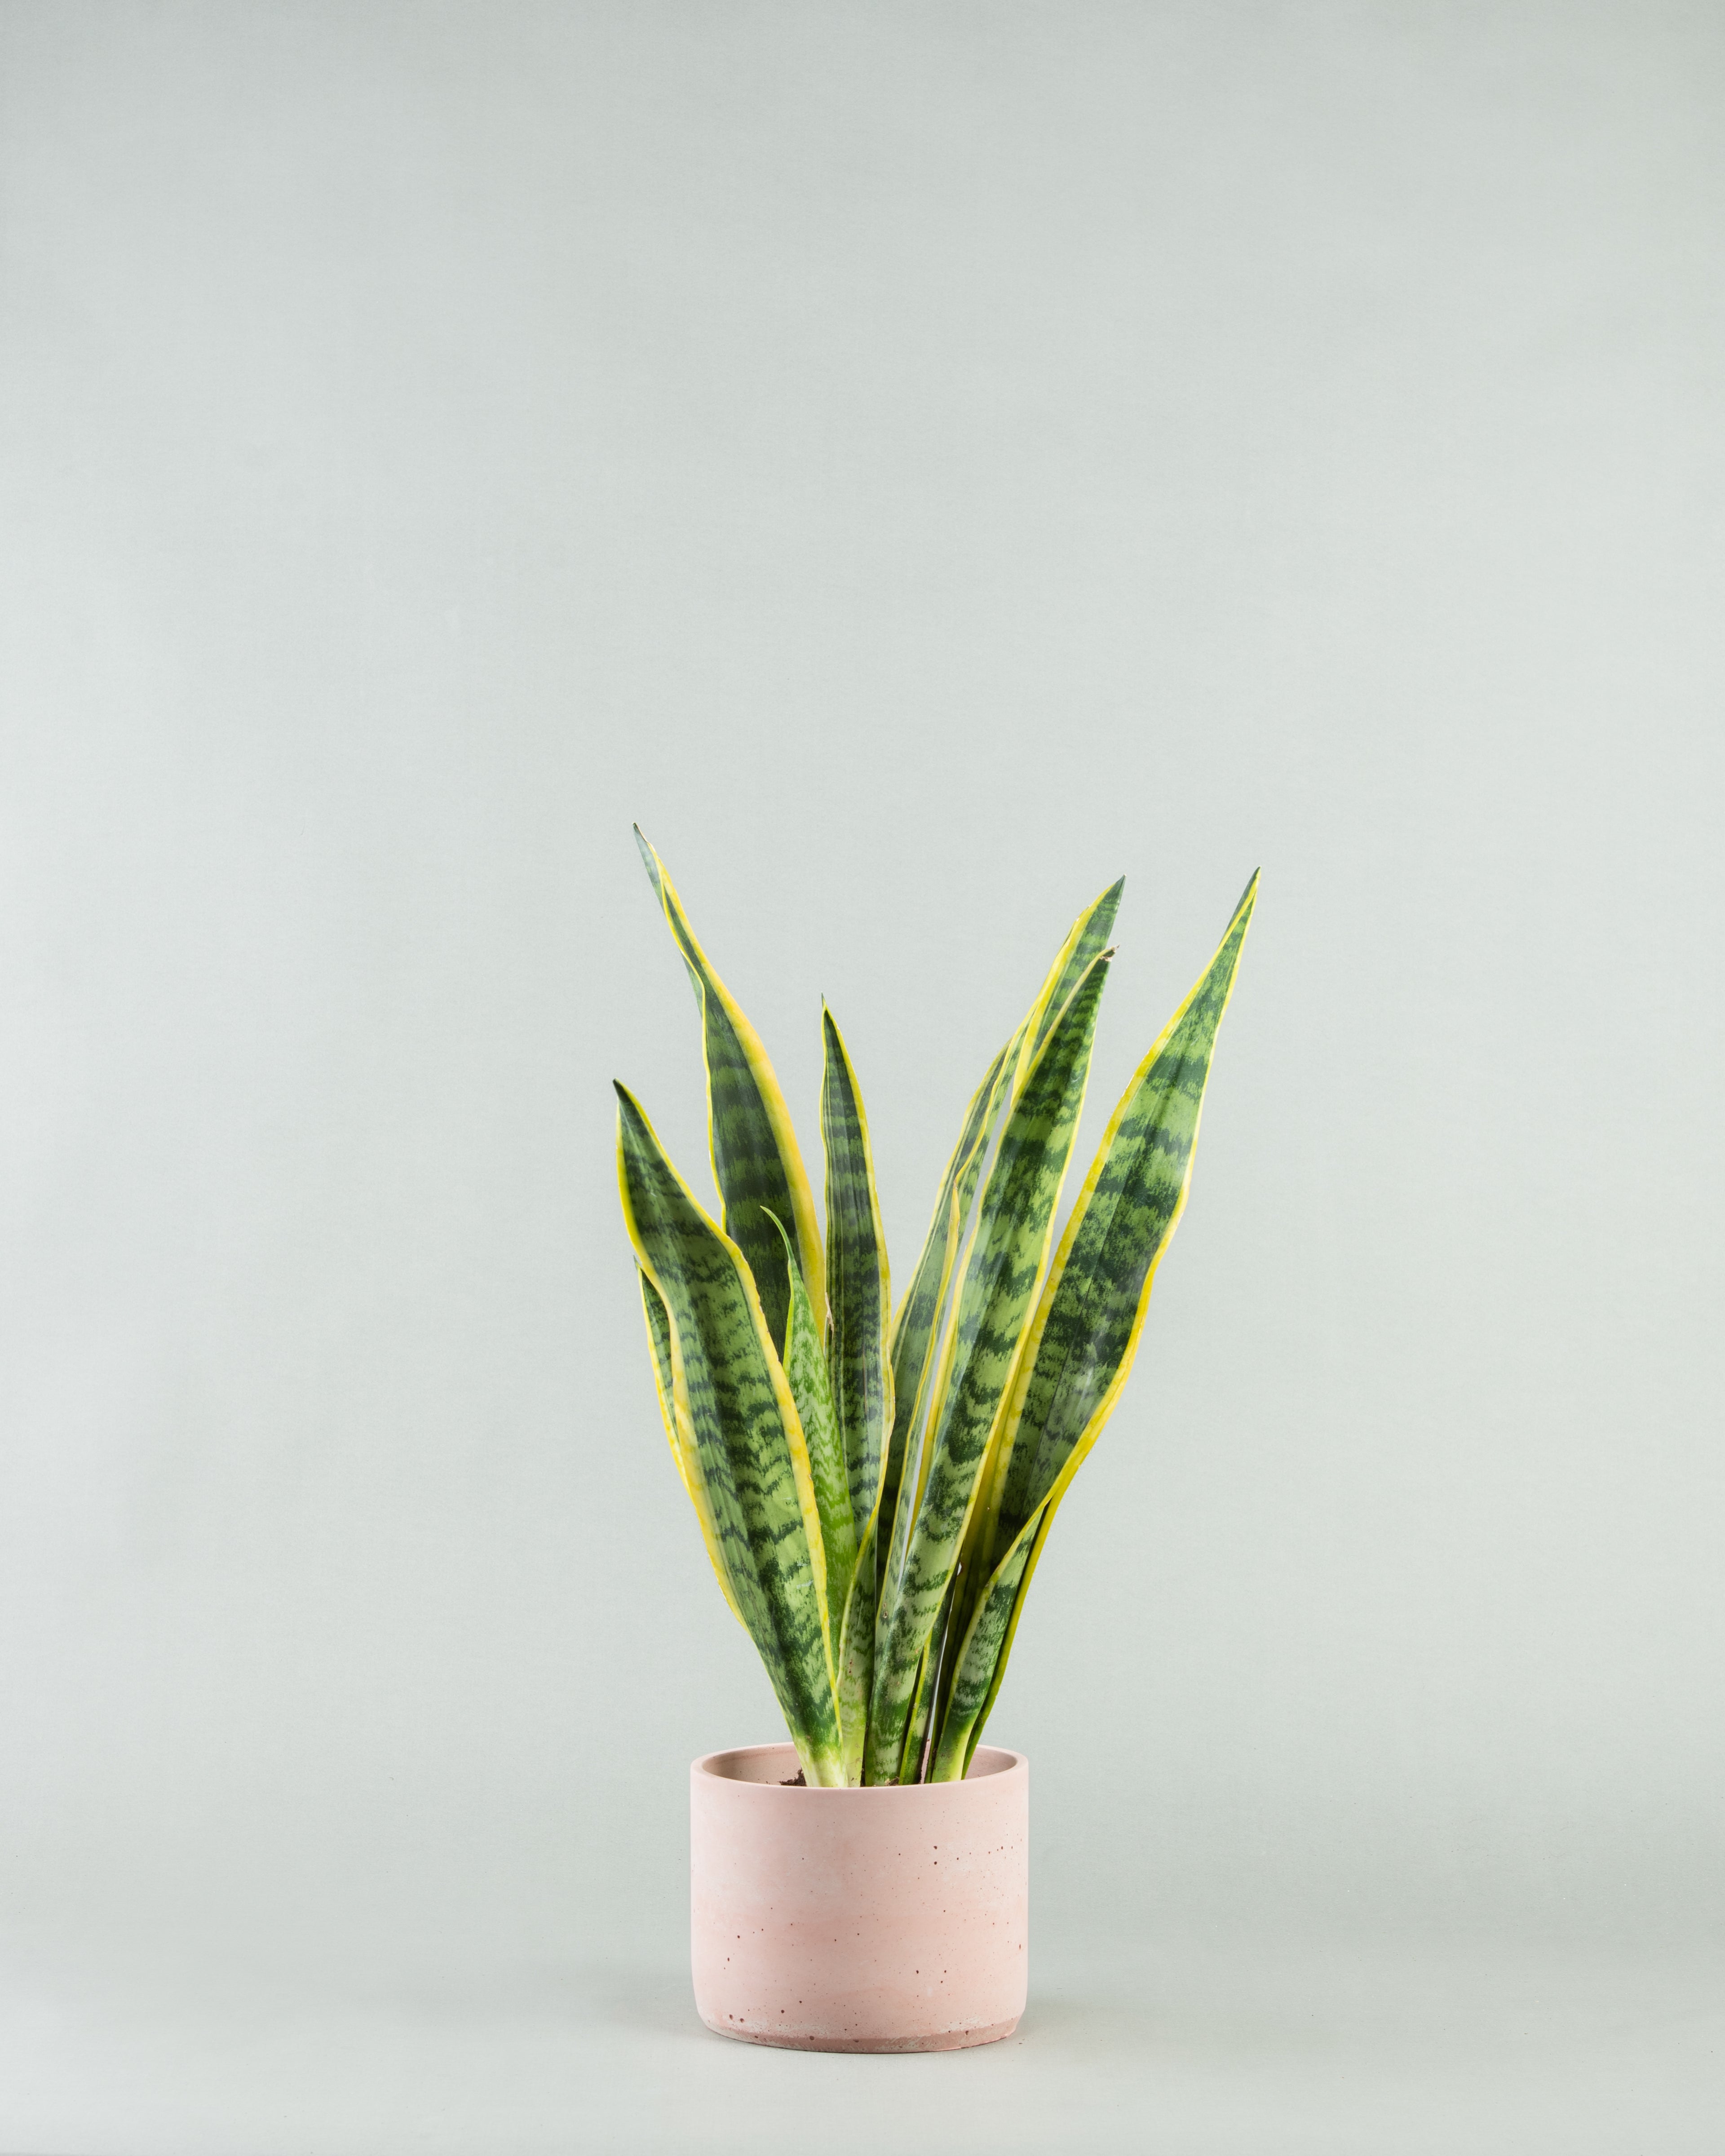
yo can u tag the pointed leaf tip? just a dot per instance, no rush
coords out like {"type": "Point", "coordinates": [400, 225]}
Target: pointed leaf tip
{"type": "Point", "coordinates": [630, 1111]}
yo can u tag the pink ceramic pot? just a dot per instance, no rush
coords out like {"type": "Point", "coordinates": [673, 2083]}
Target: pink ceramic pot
{"type": "Point", "coordinates": [860, 1920]}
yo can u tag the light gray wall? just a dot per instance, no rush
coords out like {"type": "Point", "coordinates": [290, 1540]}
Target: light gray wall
{"type": "Point", "coordinates": [922, 462]}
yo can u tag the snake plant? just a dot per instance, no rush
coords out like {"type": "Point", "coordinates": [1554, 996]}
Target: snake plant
{"type": "Point", "coordinates": [874, 1487]}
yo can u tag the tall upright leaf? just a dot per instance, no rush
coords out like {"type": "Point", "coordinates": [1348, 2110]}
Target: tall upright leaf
{"type": "Point", "coordinates": [998, 1284]}
{"type": "Point", "coordinates": [982, 1656]}
{"type": "Point", "coordinates": [914, 1743]}
{"type": "Point", "coordinates": [1082, 1343]}
{"type": "Point", "coordinates": [859, 1299]}
{"type": "Point", "coordinates": [755, 1162]}
{"type": "Point", "coordinates": [915, 1329]}
{"type": "Point", "coordinates": [856, 1655]}
{"type": "Point", "coordinates": [728, 1381]}
{"type": "Point", "coordinates": [1087, 937]}
{"type": "Point", "coordinates": [677, 1429]}
{"type": "Point", "coordinates": [805, 1367]}
{"type": "Point", "coordinates": [858, 1287]}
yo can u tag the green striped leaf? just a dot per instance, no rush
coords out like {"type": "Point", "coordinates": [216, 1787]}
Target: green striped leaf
{"type": "Point", "coordinates": [729, 1382]}
{"type": "Point", "coordinates": [677, 1430]}
{"type": "Point", "coordinates": [1087, 939]}
{"type": "Point", "coordinates": [1000, 1086]}
{"type": "Point", "coordinates": [856, 1657]}
{"type": "Point", "coordinates": [934, 1681]}
{"type": "Point", "coordinates": [755, 1162]}
{"type": "Point", "coordinates": [996, 1291]}
{"type": "Point", "coordinates": [859, 1291]}
{"type": "Point", "coordinates": [915, 1329]}
{"type": "Point", "coordinates": [1080, 1346]}
{"type": "Point", "coordinates": [982, 1656]}
{"type": "Point", "coordinates": [915, 1736]}
{"type": "Point", "coordinates": [805, 1365]}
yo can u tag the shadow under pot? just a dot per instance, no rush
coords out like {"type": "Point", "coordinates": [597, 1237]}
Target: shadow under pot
{"type": "Point", "coordinates": [892, 1919]}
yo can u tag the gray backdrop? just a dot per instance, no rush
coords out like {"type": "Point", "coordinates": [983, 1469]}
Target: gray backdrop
{"type": "Point", "coordinates": [922, 462]}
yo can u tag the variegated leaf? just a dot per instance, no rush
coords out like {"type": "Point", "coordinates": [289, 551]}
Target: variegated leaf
{"type": "Point", "coordinates": [677, 1430]}
{"type": "Point", "coordinates": [856, 1657]}
{"type": "Point", "coordinates": [996, 1288]}
{"type": "Point", "coordinates": [1087, 937]}
{"type": "Point", "coordinates": [914, 1330]}
{"type": "Point", "coordinates": [983, 1654]}
{"type": "Point", "coordinates": [916, 1327]}
{"type": "Point", "coordinates": [728, 1381]}
{"type": "Point", "coordinates": [859, 1290]}
{"type": "Point", "coordinates": [1079, 1351]}
{"type": "Point", "coordinates": [756, 1161]}
{"type": "Point", "coordinates": [805, 1365]}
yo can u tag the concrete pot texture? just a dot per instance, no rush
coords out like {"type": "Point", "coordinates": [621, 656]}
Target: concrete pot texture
{"type": "Point", "coordinates": [889, 1919]}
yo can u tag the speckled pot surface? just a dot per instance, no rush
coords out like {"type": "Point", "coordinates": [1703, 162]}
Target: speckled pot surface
{"type": "Point", "coordinates": [860, 1920]}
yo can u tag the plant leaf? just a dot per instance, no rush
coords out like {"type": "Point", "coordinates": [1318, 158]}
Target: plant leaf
{"type": "Point", "coordinates": [805, 1365]}
{"type": "Point", "coordinates": [934, 1681]}
{"type": "Point", "coordinates": [1087, 937]}
{"type": "Point", "coordinates": [747, 1434]}
{"type": "Point", "coordinates": [915, 1730]}
{"type": "Point", "coordinates": [856, 1656]}
{"type": "Point", "coordinates": [998, 1284]}
{"type": "Point", "coordinates": [676, 1417]}
{"type": "Point", "coordinates": [982, 1654]}
{"type": "Point", "coordinates": [755, 1162]}
{"type": "Point", "coordinates": [859, 1291]}
{"type": "Point", "coordinates": [1082, 1343]}
{"type": "Point", "coordinates": [915, 1329]}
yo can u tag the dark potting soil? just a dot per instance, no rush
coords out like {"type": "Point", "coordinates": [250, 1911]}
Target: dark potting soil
{"type": "Point", "coordinates": [794, 1781]}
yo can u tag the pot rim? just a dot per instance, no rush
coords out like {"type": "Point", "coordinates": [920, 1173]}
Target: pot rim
{"type": "Point", "coordinates": [709, 1765]}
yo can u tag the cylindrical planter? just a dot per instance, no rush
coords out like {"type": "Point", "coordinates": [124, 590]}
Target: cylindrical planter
{"type": "Point", "coordinates": [860, 1920]}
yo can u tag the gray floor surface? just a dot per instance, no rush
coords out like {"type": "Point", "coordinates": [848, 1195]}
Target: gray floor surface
{"type": "Point", "coordinates": [1188, 2050]}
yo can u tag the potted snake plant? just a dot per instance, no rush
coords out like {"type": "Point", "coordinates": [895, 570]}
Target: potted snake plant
{"type": "Point", "coordinates": [875, 1484]}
